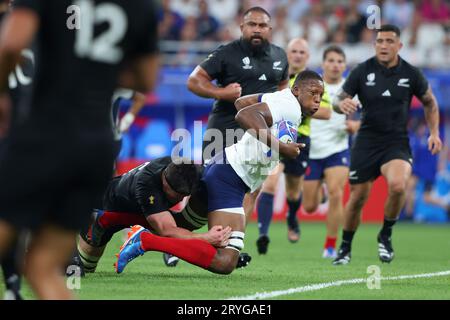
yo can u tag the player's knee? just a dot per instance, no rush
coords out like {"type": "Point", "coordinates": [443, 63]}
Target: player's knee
{"type": "Point", "coordinates": [397, 187]}
{"type": "Point", "coordinates": [309, 207]}
{"type": "Point", "coordinates": [335, 194]}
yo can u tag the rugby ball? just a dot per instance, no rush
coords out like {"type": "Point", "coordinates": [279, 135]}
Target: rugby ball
{"type": "Point", "coordinates": [287, 132]}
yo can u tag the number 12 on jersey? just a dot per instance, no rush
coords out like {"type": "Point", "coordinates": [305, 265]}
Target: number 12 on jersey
{"type": "Point", "coordinates": [104, 47]}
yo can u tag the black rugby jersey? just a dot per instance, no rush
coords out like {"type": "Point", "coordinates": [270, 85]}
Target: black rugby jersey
{"type": "Point", "coordinates": [81, 48]}
{"type": "Point", "coordinates": [385, 95]}
{"type": "Point", "coordinates": [256, 72]}
{"type": "Point", "coordinates": [139, 190]}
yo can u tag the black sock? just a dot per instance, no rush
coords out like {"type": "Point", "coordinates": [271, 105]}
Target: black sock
{"type": "Point", "coordinates": [386, 231]}
{"type": "Point", "coordinates": [292, 213]}
{"type": "Point", "coordinates": [347, 238]}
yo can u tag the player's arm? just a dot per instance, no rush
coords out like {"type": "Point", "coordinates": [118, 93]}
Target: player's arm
{"type": "Point", "coordinates": [141, 74]}
{"type": "Point", "coordinates": [138, 102]}
{"type": "Point", "coordinates": [17, 33]}
{"type": "Point", "coordinates": [344, 104]}
{"type": "Point", "coordinates": [164, 225]}
{"type": "Point", "coordinates": [257, 119]}
{"type": "Point", "coordinates": [200, 83]}
{"type": "Point", "coordinates": [247, 100]}
{"type": "Point", "coordinates": [432, 117]}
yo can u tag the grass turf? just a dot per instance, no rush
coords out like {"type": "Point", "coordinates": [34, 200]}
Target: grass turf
{"type": "Point", "coordinates": [419, 249]}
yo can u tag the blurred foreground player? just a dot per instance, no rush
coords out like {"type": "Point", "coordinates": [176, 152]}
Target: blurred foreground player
{"type": "Point", "coordinates": [385, 85]}
{"type": "Point", "coordinates": [20, 83]}
{"type": "Point", "coordinates": [78, 69]}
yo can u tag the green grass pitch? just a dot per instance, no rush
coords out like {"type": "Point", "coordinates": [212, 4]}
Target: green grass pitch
{"type": "Point", "coordinates": [419, 249]}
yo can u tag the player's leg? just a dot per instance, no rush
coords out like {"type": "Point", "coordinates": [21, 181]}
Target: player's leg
{"type": "Point", "coordinates": [12, 271]}
{"type": "Point", "coordinates": [294, 186]}
{"type": "Point", "coordinates": [49, 251]}
{"type": "Point", "coordinates": [294, 171]}
{"type": "Point", "coordinates": [265, 208]}
{"type": "Point", "coordinates": [359, 194]}
{"type": "Point", "coordinates": [312, 185]}
{"type": "Point", "coordinates": [335, 179]}
{"type": "Point", "coordinates": [311, 195]}
{"type": "Point", "coordinates": [397, 173]}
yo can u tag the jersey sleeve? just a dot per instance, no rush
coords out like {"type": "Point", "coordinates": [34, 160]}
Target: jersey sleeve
{"type": "Point", "coordinates": [213, 64]}
{"type": "Point", "coordinates": [352, 83]}
{"type": "Point", "coordinates": [420, 85]}
{"type": "Point", "coordinates": [148, 38]}
{"type": "Point", "coordinates": [282, 106]}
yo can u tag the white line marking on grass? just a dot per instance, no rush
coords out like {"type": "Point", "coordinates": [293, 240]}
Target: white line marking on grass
{"type": "Point", "coordinates": [320, 286]}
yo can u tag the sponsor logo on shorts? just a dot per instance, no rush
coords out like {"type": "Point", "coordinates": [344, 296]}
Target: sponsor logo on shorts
{"type": "Point", "coordinates": [352, 175]}
{"type": "Point", "coordinates": [344, 160]}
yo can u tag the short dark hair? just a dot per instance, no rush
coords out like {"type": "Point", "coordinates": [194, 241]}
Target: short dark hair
{"type": "Point", "coordinates": [257, 9]}
{"type": "Point", "coordinates": [305, 76]}
{"type": "Point", "coordinates": [333, 48]}
{"type": "Point", "coordinates": [182, 177]}
{"type": "Point", "coordinates": [390, 27]}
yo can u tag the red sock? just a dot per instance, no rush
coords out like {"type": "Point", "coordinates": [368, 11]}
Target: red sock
{"type": "Point", "coordinates": [330, 242]}
{"type": "Point", "coordinates": [195, 251]}
{"type": "Point", "coordinates": [113, 219]}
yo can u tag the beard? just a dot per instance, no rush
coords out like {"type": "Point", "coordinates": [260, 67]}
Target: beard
{"type": "Point", "coordinates": [257, 46]}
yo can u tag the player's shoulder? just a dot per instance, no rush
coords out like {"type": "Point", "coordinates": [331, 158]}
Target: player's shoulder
{"type": "Point", "coordinates": [408, 67]}
{"type": "Point", "coordinates": [156, 166]}
{"type": "Point", "coordinates": [276, 51]}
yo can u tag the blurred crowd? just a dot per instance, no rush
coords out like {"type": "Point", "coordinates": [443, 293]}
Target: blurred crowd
{"type": "Point", "coordinates": [423, 22]}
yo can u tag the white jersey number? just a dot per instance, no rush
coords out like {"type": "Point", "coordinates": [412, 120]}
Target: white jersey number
{"type": "Point", "coordinates": [17, 76]}
{"type": "Point", "coordinates": [105, 47]}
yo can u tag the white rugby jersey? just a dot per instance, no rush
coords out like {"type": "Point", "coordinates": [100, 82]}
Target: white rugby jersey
{"type": "Point", "coordinates": [329, 136]}
{"type": "Point", "coordinates": [253, 160]}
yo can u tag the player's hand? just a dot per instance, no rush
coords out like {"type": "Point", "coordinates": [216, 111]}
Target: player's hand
{"type": "Point", "coordinates": [231, 92]}
{"type": "Point", "coordinates": [5, 112]}
{"type": "Point", "coordinates": [434, 144]}
{"type": "Point", "coordinates": [218, 236]}
{"type": "Point", "coordinates": [290, 150]}
{"type": "Point", "coordinates": [348, 106]}
{"type": "Point", "coordinates": [351, 126]}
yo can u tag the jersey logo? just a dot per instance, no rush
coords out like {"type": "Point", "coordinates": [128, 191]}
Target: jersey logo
{"type": "Point", "coordinates": [263, 77]}
{"type": "Point", "coordinates": [246, 62]}
{"type": "Point", "coordinates": [386, 94]}
{"type": "Point", "coordinates": [352, 175]}
{"type": "Point", "coordinates": [152, 199]}
{"type": "Point", "coordinates": [276, 66]}
{"type": "Point", "coordinates": [403, 82]}
{"type": "Point", "coordinates": [370, 79]}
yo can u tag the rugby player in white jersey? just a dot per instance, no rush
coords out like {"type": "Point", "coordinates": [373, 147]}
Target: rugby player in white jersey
{"type": "Point", "coordinates": [242, 168]}
{"type": "Point", "coordinates": [329, 152]}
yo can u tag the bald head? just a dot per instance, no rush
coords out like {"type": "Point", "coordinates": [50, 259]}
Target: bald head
{"type": "Point", "coordinates": [298, 55]}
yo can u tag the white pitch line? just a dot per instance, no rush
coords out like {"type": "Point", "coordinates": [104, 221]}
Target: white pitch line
{"type": "Point", "coordinates": [320, 286]}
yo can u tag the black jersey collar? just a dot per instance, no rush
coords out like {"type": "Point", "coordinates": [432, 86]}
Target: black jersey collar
{"type": "Point", "coordinates": [388, 71]}
{"type": "Point", "coordinates": [248, 49]}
